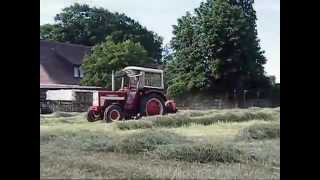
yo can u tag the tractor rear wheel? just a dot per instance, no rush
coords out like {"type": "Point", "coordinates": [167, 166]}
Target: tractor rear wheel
{"type": "Point", "coordinates": [152, 104]}
{"type": "Point", "coordinates": [113, 113]}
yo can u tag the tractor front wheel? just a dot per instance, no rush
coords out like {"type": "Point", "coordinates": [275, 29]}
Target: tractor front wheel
{"type": "Point", "coordinates": [92, 116]}
{"type": "Point", "coordinates": [152, 104]}
{"type": "Point", "coordinates": [113, 113]}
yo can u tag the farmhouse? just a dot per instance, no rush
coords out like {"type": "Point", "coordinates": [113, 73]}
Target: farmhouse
{"type": "Point", "coordinates": [60, 62]}
{"type": "Point", "coordinates": [60, 75]}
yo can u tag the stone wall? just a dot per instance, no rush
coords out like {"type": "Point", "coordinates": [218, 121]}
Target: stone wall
{"type": "Point", "coordinates": [210, 102]}
{"type": "Point", "coordinates": [83, 100]}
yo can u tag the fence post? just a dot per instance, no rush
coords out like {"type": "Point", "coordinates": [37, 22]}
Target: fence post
{"type": "Point", "coordinates": [258, 97]}
{"type": "Point", "coordinates": [112, 80]}
{"type": "Point", "coordinates": [244, 98]}
{"type": "Point", "coordinates": [235, 98]}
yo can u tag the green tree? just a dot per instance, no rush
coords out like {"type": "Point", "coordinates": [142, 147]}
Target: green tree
{"type": "Point", "coordinates": [217, 48]}
{"type": "Point", "coordinates": [81, 24]}
{"type": "Point", "coordinates": [167, 55]}
{"type": "Point", "coordinates": [110, 56]}
{"type": "Point", "coordinates": [51, 32]}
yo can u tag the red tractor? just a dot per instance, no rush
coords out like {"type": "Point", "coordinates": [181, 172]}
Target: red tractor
{"type": "Point", "coordinates": [141, 94]}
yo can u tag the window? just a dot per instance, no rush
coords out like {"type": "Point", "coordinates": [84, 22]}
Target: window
{"type": "Point", "coordinates": [153, 79]}
{"type": "Point", "coordinates": [133, 81]}
{"type": "Point", "coordinates": [81, 72]}
{"type": "Point", "coordinates": [78, 72]}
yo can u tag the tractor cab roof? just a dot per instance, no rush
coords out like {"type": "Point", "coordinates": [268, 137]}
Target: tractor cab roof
{"type": "Point", "coordinates": [131, 69]}
{"type": "Point", "coordinates": [150, 78]}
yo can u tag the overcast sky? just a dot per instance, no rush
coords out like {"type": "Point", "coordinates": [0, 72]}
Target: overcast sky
{"type": "Point", "coordinates": [160, 15]}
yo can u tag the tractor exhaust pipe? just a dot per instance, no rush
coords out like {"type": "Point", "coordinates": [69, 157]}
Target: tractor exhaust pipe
{"type": "Point", "coordinates": [112, 81]}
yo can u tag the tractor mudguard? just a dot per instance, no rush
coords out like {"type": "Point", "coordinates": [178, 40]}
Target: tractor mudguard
{"type": "Point", "coordinates": [156, 91]}
{"type": "Point", "coordinates": [171, 106]}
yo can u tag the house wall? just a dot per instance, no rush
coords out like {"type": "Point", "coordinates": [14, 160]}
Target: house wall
{"type": "Point", "coordinates": [70, 100]}
{"type": "Point", "coordinates": [61, 95]}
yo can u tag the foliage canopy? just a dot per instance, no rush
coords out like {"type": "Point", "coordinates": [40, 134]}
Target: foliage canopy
{"type": "Point", "coordinates": [81, 24]}
{"type": "Point", "coordinates": [217, 48]}
{"type": "Point", "coordinates": [110, 56]}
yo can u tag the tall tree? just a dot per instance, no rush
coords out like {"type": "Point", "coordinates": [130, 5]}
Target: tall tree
{"type": "Point", "coordinates": [218, 48]}
{"type": "Point", "coordinates": [51, 32]}
{"type": "Point", "coordinates": [109, 56]}
{"type": "Point", "coordinates": [81, 24]}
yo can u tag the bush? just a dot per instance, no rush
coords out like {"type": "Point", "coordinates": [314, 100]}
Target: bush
{"type": "Point", "coordinates": [146, 141]}
{"type": "Point", "coordinates": [260, 131]}
{"type": "Point", "coordinates": [176, 89]}
{"type": "Point", "coordinates": [203, 153]}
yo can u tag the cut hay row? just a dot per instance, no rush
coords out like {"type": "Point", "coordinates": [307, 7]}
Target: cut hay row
{"type": "Point", "coordinates": [164, 144]}
{"type": "Point", "coordinates": [229, 146]}
{"type": "Point", "coordinates": [203, 118]}
{"type": "Point", "coordinates": [260, 131]}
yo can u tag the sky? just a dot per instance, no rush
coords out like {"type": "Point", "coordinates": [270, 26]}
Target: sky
{"type": "Point", "coordinates": [160, 15]}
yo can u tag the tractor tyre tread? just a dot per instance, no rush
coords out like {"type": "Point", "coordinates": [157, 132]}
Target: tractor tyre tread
{"type": "Point", "coordinates": [109, 109]}
{"type": "Point", "coordinates": [146, 98]}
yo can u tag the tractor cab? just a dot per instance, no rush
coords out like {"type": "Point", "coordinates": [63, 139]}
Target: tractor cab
{"type": "Point", "coordinates": [139, 78]}
{"type": "Point", "coordinates": [141, 94]}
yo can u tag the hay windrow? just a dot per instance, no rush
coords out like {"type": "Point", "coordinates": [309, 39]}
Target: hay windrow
{"type": "Point", "coordinates": [202, 118]}
{"type": "Point", "coordinates": [260, 131]}
{"type": "Point", "coordinates": [191, 145]}
{"type": "Point", "coordinates": [147, 140]}
{"type": "Point", "coordinates": [202, 153]}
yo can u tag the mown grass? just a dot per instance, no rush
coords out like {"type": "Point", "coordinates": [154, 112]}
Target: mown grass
{"type": "Point", "coordinates": [202, 153]}
{"type": "Point", "coordinates": [147, 140]}
{"type": "Point", "coordinates": [62, 118]}
{"type": "Point", "coordinates": [261, 131]}
{"type": "Point", "coordinates": [201, 117]}
{"type": "Point", "coordinates": [238, 149]}
{"type": "Point", "coordinates": [73, 164]}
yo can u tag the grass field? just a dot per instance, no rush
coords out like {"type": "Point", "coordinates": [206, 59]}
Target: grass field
{"type": "Point", "coordinates": [213, 144]}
